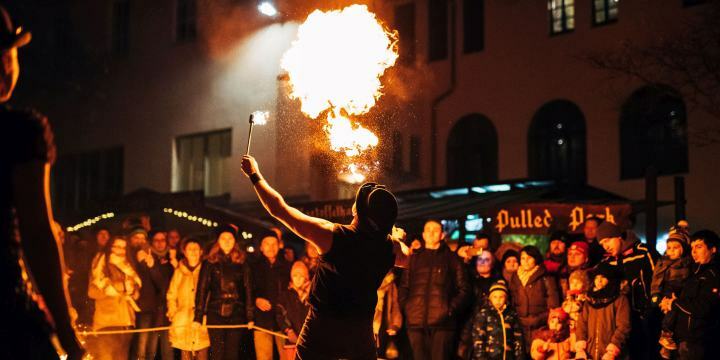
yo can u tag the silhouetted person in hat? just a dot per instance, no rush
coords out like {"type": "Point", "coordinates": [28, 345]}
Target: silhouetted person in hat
{"type": "Point", "coordinates": [354, 259]}
{"type": "Point", "coordinates": [34, 301]}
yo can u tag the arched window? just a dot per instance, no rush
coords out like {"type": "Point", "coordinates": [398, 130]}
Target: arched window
{"type": "Point", "coordinates": [472, 152]}
{"type": "Point", "coordinates": [556, 143]}
{"type": "Point", "coordinates": [653, 132]}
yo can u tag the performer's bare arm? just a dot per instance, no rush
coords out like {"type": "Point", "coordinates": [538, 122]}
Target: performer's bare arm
{"type": "Point", "coordinates": [43, 251]}
{"type": "Point", "coordinates": [314, 230]}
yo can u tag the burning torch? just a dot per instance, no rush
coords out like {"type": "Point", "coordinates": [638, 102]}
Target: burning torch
{"type": "Point", "coordinates": [259, 118]}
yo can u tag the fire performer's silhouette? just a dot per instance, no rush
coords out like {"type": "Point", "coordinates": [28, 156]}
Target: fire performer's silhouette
{"type": "Point", "coordinates": [34, 305]}
{"type": "Point", "coordinates": [354, 259]}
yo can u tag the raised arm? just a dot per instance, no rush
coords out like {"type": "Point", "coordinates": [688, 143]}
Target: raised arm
{"type": "Point", "coordinates": [314, 230]}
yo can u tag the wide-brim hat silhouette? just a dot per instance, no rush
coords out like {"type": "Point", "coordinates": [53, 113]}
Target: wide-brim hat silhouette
{"type": "Point", "coordinates": [11, 36]}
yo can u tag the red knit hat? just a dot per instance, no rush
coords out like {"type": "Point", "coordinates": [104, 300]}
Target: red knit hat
{"type": "Point", "coordinates": [581, 246]}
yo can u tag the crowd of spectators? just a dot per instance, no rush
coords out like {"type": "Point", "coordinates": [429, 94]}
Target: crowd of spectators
{"type": "Point", "coordinates": [601, 294]}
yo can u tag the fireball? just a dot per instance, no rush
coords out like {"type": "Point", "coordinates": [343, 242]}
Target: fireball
{"type": "Point", "coordinates": [335, 66]}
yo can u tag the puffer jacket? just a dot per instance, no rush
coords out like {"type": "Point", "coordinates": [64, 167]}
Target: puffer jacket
{"type": "Point", "coordinates": [225, 289]}
{"type": "Point", "coordinates": [637, 264]}
{"type": "Point", "coordinates": [602, 326]}
{"type": "Point", "coordinates": [434, 289]}
{"type": "Point", "coordinates": [181, 307]}
{"type": "Point", "coordinates": [496, 334]}
{"type": "Point", "coordinates": [533, 301]}
{"type": "Point", "coordinates": [669, 277]}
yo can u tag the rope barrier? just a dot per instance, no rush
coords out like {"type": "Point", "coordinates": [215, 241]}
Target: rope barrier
{"type": "Point", "coordinates": [164, 328]}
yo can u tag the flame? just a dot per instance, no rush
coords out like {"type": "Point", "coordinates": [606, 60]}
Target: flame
{"type": "Point", "coordinates": [352, 139]}
{"type": "Point", "coordinates": [334, 66]}
{"type": "Point", "coordinates": [260, 117]}
{"type": "Point", "coordinates": [352, 174]}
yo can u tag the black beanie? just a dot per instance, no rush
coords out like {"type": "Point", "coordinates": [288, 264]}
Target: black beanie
{"type": "Point", "coordinates": [377, 206]}
{"type": "Point", "coordinates": [231, 228]}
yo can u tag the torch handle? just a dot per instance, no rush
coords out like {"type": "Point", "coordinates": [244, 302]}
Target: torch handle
{"type": "Point", "coordinates": [247, 150]}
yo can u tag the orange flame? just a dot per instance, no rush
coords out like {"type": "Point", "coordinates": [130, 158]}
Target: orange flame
{"type": "Point", "coordinates": [335, 65]}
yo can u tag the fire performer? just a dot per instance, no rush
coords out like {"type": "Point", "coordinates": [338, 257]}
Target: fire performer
{"type": "Point", "coordinates": [27, 241]}
{"type": "Point", "coordinates": [354, 259]}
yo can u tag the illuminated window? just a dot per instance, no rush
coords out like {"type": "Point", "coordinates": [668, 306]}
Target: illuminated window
{"type": "Point", "coordinates": [562, 16]}
{"type": "Point", "coordinates": [203, 163]}
{"type": "Point", "coordinates": [605, 11]}
{"type": "Point", "coordinates": [186, 20]}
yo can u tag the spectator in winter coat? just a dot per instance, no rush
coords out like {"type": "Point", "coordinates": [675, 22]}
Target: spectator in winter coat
{"type": "Point", "coordinates": [115, 286]}
{"type": "Point", "coordinates": [224, 294]}
{"type": "Point", "coordinates": [604, 323]}
{"type": "Point", "coordinates": [433, 291]}
{"type": "Point", "coordinates": [556, 257]}
{"type": "Point", "coordinates": [510, 263]}
{"type": "Point", "coordinates": [697, 325]}
{"type": "Point", "coordinates": [590, 227]}
{"type": "Point", "coordinates": [636, 264]}
{"type": "Point", "coordinates": [388, 317]}
{"type": "Point", "coordinates": [292, 306]}
{"type": "Point", "coordinates": [579, 284]}
{"type": "Point", "coordinates": [554, 341]}
{"type": "Point", "coordinates": [181, 305]}
{"type": "Point", "coordinates": [271, 274]}
{"type": "Point", "coordinates": [577, 259]}
{"type": "Point", "coordinates": [668, 279]}
{"type": "Point", "coordinates": [496, 332]}
{"type": "Point", "coordinates": [533, 292]}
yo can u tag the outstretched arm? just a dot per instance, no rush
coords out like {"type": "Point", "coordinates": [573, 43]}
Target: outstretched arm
{"type": "Point", "coordinates": [314, 230]}
{"type": "Point", "coordinates": [43, 251]}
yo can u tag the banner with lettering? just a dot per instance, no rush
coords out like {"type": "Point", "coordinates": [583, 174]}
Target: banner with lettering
{"type": "Point", "coordinates": [541, 218]}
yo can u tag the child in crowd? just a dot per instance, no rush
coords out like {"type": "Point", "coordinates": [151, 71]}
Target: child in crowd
{"type": "Point", "coordinates": [578, 286]}
{"type": "Point", "coordinates": [496, 330]}
{"type": "Point", "coordinates": [553, 342]}
{"type": "Point", "coordinates": [604, 322]}
{"type": "Point", "coordinates": [668, 278]}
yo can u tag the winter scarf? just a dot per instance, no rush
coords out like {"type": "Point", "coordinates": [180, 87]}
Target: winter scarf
{"type": "Point", "coordinates": [525, 275]}
{"type": "Point", "coordinates": [605, 296]}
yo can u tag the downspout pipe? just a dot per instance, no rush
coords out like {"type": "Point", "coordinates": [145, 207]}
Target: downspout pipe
{"type": "Point", "coordinates": [444, 95]}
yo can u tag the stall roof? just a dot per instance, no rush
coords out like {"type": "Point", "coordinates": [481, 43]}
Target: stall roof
{"type": "Point", "coordinates": [457, 202]}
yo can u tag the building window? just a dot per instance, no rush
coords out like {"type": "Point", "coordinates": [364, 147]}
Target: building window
{"type": "Point", "coordinates": [556, 143]}
{"type": "Point", "coordinates": [397, 155]}
{"type": "Point", "coordinates": [562, 16]}
{"type": "Point", "coordinates": [605, 11]}
{"type": "Point", "coordinates": [472, 149]}
{"type": "Point", "coordinates": [405, 25]}
{"type": "Point", "coordinates": [415, 155]}
{"type": "Point", "coordinates": [121, 27]}
{"type": "Point", "coordinates": [87, 179]}
{"type": "Point", "coordinates": [693, 2]}
{"type": "Point", "coordinates": [186, 20]}
{"type": "Point", "coordinates": [653, 132]}
{"type": "Point", "coordinates": [473, 25]}
{"type": "Point", "coordinates": [437, 30]}
{"type": "Point", "coordinates": [203, 163]}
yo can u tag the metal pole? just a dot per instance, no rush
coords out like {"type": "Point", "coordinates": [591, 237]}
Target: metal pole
{"type": "Point", "coordinates": [651, 206]}
{"type": "Point", "coordinates": [679, 198]}
{"type": "Point", "coordinates": [247, 150]}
